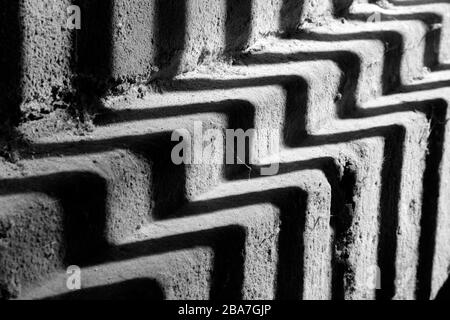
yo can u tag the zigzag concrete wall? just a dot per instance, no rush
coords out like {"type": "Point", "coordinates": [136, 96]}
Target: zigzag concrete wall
{"type": "Point", "coordinates": [361, 112]}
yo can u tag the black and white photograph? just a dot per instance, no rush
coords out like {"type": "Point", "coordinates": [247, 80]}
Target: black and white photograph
{"type": "Point", "coordinates": [239, 151]}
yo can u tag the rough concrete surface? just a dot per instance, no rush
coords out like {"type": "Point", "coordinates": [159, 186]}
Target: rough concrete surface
{"type": "Point", "coordinates": [356, 93]}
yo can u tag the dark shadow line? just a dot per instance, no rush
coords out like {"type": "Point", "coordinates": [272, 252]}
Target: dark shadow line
{"type": "Point", "coordinates": [82, 196]}
{"type": "Point", "coordinates": [323, 140]}
{"type": "Point", "coordinates": [292, 221]}
{"type": "Point", "coordinates": [341, 7]}
{"type": "Point", "coordinates": [394, 136]}
{"type": "Point", "coordinates": [430, 200]}
{"type": "Point", "coordinates": [319, 139]}
{"type": "Point", "coordinates": [156, 148]}
{"type": "Point", "coordinates": [229, 255]}
{"type": "Point", "coordinates": [291, 201]}
{"type": "Point", "coordinates": [347, 61]}
{"type": "Point", "coordinates": [345, 137]}
{"type": "Point", "coordinates": [171, 30]}
{"type": "Point", "coordinates": [227, 274]}
{"type": "Point", "coordinates": [238, 25]}
{"type": "Point", "coordinates": [168, 181]}
{"type": "Point", "coordinates": [436, 112]}
{"type": "Point", "coordinates": [423, 106]}
{"type": "Point", "coordinates": [391, 179]}
{"type": "Point", "coordinates": [295, 86]}
{"type": "Point", "coordinates": [425, 86]}
{"type": "Point", "coordinates": [417, 2]}
{"type": "Point", "coordinates": [291, 247]}
{"type": "Point", "coordinates": [201, 84]}
{"type": "Point", "coordinates": [196, 208]}
{"type": "Point", "coordinates": [228, 107]}
{"type": "Point", "coordinates": [343, 206]}
{"type": "Point", "coordinates": [134, 142]}
{"type": "Point", "coordinates": [291, 15]}
{"type": "Point", "coordinates": [342, 192]}
{"type": "Point", "coordinates": [135, 289]}
{"type": "Point", "coordinates": [240, 114]}
{"type": "Point", "coordinates": [394, 49]}
{"type": "Point", "coordinates": [432, 38]}
{"type": "Point", "coordinates": [316, 141]}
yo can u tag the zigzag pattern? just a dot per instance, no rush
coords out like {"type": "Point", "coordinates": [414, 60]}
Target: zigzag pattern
{"type": "Point", "coordinates": [362, 180]}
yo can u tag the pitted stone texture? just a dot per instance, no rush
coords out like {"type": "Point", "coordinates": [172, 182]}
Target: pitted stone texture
{"type": "Point", "coordinates": [128, 40]}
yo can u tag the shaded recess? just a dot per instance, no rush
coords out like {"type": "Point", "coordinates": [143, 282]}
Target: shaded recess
{"type": "Point", "coordinates": [171, 30]}
{"type": "Point", "coordinates": [82, 196]}
{"type": "Point", "coordinates": [167, 181]}
{"type": "Point", "coordinates": [437, 115]}
{"type": "Point", "coordinates": [11, 38]}
{"type": "Point", "coordinates": [290, 15]}
{"type": "Point", "coordinates": [432, 38]}
{"type": "Point", "coordinates": [415, 2]}
{"type": "Point", "coordinates": [341, 7]}
{"type": "Point", "coordinates": [227, 243]}
{"type": "Point", "coordinates": [292, 204]}
{"type": "Point", "coordinates": [92, 52]}
{"type": "Point", "coordinates": [444, 292]}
